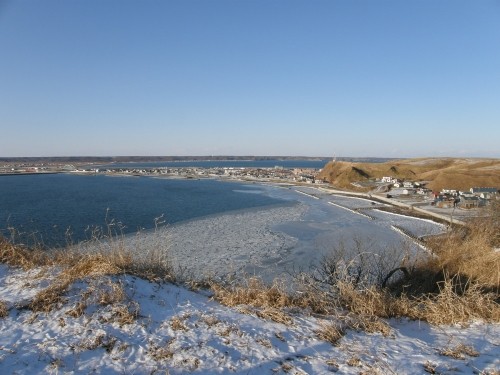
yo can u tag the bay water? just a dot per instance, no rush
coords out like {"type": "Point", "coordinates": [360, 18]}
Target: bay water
{"type": "Point", "coordinates": [57, 209]}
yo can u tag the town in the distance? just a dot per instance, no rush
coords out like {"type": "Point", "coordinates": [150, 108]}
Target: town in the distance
{"type": "Point", "coordinates": [415, 194]}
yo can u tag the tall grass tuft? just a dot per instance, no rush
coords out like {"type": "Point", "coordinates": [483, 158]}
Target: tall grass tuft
{"type": "Point", "coordinates": [21, 256]}
{"type": "Point", "coordinates": [253, 292]}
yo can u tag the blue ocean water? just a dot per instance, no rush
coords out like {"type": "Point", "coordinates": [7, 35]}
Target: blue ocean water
{"type": "Point", "coordinates": [52, 209]}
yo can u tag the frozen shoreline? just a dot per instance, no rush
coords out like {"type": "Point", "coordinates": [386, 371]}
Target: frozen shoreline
{"type": "Point", "coordinates": [273, 241]}
{"type": "Point", "coordinates": [231, 243]}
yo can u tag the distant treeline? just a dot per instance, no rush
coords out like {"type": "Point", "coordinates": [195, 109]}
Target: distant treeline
{"type": "Point", "coordinates": [142, 159]}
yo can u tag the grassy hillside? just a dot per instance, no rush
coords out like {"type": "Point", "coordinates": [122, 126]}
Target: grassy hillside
{"type": "Point", "coordinates": [441, 173]}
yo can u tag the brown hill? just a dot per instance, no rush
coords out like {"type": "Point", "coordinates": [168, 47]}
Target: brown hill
{"type": "Point", "coordinates": [450, 173]}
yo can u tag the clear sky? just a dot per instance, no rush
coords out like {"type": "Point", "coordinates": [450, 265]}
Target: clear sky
{"type": "Point", "coordinates": [250, 77]}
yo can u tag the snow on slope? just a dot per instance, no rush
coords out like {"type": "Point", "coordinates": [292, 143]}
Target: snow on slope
{"type": "Point", "coordinates": [179, 331]}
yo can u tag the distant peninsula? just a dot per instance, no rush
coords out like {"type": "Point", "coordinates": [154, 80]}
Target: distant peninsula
{"type": "Point", "coordinates": [142, 159]}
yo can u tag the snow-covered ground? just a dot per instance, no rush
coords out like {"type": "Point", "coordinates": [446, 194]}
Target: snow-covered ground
{"type": "Point", "coordinates": [178, 331]}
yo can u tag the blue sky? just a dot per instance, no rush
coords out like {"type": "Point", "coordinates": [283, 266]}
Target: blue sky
{"type": "Point", "coordinates": [254, 77]}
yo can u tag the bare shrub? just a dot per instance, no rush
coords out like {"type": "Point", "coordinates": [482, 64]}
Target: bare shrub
{"type": "Point", "coordinates": [359, 263]}
{"type": "Point", "coordinates": [459, 284]}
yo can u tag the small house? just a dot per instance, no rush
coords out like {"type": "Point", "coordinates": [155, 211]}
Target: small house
{"type": "Point", "coordinates": [468, 202]}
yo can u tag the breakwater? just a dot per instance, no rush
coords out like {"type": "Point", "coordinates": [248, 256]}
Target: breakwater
{"type": "Point", "coordinates": [409, 235]}
{"type": "Point", "coordinates": [351, 210]}
{"type": "Point", "coordinates": [393, 202]}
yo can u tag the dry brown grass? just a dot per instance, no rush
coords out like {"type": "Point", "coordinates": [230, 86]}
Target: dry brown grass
{"type": "Point", "coordinates": [78, 310]}
{"type": "Point", "coordinates": [354, 362]}
{"type": "Point", "coordinates": [90, 262]}
{"type": "Point", "coordinates": [446, 307]}
{"type": "Point", "coordinates": [276, 315]}
{"type": "Point", "coordinates": [161, 353]}
{"type": "Point", "coordinates": [92, 265]}
{"type": "Point", "coordinates": [20, 256]}
{"type": "Point", "coordinates": [122, 314]}
{"type": "Point", "coordinates": [177, 324]}
{"type": "Point", "coordinates": [462, 284]}
{"type": "Point", "coordinates": [109, 293]}
{"type": "Point", "coordinates": [429, 367]}
{"type": "Point", "coordinates": [210, 320]}
{"type": "Point", "coordinates": [49, 298]}
{"type": "Point", "coordinates": [96, 257]}
{"type": "Point", "coordinates": [264, 342]}
{"type": "Point", "coordinates": [459, 351]}
{"type": "Point", "coordinates": [270, 299]}
{"type": "Point", "coordinates": [72, 265]}
{"type": "Point", "coordinates": [469, 254]}
{"type": "Point", "coordinates": [331, 333]}
{"type": "Point", "coordinates": [4, 311]}
{"type": "Point", "coordinates": [101, 340]}
{"type": "Point", "coordinates": [449, 307]}
{"type": "Point", "coordinates": [253, 292]}
{"type": "Point", "coordinates": [333, 364]}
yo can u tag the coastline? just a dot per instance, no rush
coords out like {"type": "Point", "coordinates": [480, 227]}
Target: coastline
{"type": "Point", "coordinates": [275, 241]}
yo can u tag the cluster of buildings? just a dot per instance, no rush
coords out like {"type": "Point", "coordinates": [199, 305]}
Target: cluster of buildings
{"type": "Point", "coordinates": [408, 187]}
{"type": "Point", "coordinates": [474, 198]}
{"type": "Point", "coordinates": [24, 169]}
{"type": "Point", "coordinates": [277, 173]}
